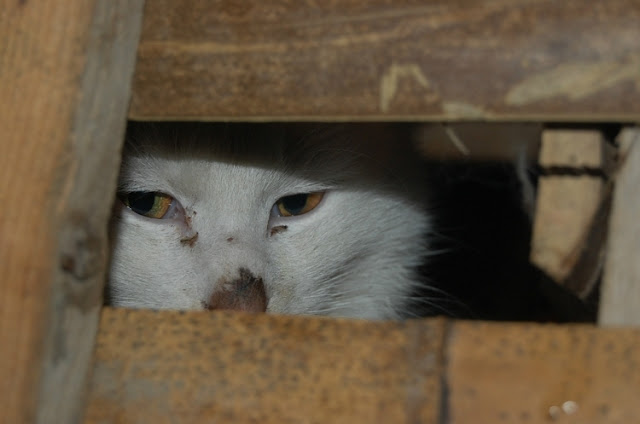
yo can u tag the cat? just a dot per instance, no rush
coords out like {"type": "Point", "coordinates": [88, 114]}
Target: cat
{"type": "Point", "coordinates": [342, 220]}
{"type": "Point", "coordinates": [311, 219]}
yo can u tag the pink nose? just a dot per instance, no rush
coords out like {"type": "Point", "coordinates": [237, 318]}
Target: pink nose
{"type": "Point", "coordinates": [245, 293]}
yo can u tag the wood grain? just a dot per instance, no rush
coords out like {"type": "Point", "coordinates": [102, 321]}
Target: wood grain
{"type": "Point", "coordinates": [545, 60]}
{"type": "Point", "coordinates": [65, 74]}
{"type": "Point", "coordinates": [621, 280]}
{"type": "Point", "coordinates": [228, 367]}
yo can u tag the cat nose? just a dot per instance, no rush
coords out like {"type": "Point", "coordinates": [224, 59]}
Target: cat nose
{"type": "Point", "coordinates": [245, 293]}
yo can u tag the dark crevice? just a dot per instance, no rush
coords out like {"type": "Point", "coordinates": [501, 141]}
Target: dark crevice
{"type": "Point", "coordinates": [572, 171]}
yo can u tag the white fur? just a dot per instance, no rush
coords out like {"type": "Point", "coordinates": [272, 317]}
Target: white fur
{"type": "Point", "coordinates": [354, 255]}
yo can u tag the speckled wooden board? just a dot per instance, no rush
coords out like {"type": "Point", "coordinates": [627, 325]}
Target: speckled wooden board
{"type": "Point", "coordinates": [389, 59]}
{"type": "Point", "coordinates": [203, 367]}
{"type": "Point", "coordinates": [225, 367]}
{"type": "Point", "coordinates": [525, 373]}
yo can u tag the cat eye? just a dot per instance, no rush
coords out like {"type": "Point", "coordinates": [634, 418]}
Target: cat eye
{"type": "Point", "coordinates": [151, 204]}
{"type": "Point", "coordinates": [298, 204]}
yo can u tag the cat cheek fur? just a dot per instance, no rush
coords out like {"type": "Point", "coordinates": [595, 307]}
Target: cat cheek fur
{"type": "Point", "coordinates": [371, 272]}
{"type": "Point", "coordinates": [141, 283]}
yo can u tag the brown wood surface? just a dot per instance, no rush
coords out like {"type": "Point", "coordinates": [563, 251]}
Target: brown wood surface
{"type": "Point", "coordinates": [227, 367]}
{"type": "Point", "coordinates": [197, 367]}
{"type": "Point", "coordinates": [65, 73]}
{"type": "Point", "coordinates": [386, 59]}
{"type": "Point", "coordinates": [620, 301]}
{"type": "Point", "coordinates": [519, 373]}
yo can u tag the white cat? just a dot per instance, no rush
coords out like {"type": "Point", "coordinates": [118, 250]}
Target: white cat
{"type": "Point", "coordinates": [294, 219]}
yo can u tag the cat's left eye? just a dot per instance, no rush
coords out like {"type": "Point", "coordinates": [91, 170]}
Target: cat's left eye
{"type": "Point", "coordinates": [151, 204]}
{"type": "Point", "coordinates": [298, 204]}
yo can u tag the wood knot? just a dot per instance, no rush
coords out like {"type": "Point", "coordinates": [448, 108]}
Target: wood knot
{"type": "Point", "coordinates": [81, 249]}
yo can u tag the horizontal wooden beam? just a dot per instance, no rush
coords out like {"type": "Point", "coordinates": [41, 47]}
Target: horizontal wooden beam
{"type": "Point", "coordinates": [572, 60]}
{"type": "Point", "coordinates": [527, 373]}
{"type": "Point", "coordinates": [193, 367]}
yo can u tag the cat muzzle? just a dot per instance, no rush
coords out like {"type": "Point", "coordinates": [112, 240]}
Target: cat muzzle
{"type": "Point", "coordinates": [245, 293]}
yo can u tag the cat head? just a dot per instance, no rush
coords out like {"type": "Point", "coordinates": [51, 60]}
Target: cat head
{"type": "Point", "coordinates": [295, 218]}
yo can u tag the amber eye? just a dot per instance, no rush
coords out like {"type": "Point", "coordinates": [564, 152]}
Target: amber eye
{"type": "Point", "coordinates": [298, 204]}
{"type": "Point", "coordinates": [148, 203]}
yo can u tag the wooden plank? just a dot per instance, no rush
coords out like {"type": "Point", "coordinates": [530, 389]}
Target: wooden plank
{"type": "Point", "coordinates": [571, 60]}
{"type": "Point", "coordinates": [65, 75]}
{"type": "Point", "coordinates": [568, 232]}
{"type": "Point", "coordinates": [565, 211]}
{"type": "Point", "coordinates": [539, 374]}
{"type": "Point", "coordinates": [195, 367]}
{"type": "Point", "coordinates": [572, 148]}
{"type": "Point", "coordinates": [620, 293]}
{"type": "Point", "coordinates": [190, 367]}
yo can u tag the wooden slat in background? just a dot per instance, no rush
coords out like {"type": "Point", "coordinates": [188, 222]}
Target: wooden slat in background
{"type": "Point", "coordinates": [65, 75]}
{"type": "Point", "coordinates": [620, 301]}
{"type": "Point", "coordinates": [570, 60]}
{"type": "Point", "coordinates": [572, 207]}
{"type": "Point", "coordinates": [194, 367]}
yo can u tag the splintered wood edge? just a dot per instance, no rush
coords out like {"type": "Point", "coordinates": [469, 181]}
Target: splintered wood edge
{"type": "Point", "coordinates": [194, 367]}
{"type": "Point", "coordinates": [64, 89]}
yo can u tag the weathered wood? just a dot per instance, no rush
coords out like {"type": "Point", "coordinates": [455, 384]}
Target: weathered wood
{"type": "Point", "coordinates": [165, 367]}
{"type": "Point", "coordinates": [509, 373]}
{"type": "Point", "coordinates": [620, 298]}
{"type": "Point", "coordinates": [65, 75]}
{"type": "Point", "coordinates": [384, 60]}
{"type": "Point", "coordinates": [571, 210]}
{"type": "Point", "coordinates": [195, 367]}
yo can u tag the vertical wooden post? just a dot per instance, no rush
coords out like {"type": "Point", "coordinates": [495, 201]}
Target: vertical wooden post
{"type": "Point", "coordinates": [621, 282]}
{"type": "Point", "coordinates": [65, 72]}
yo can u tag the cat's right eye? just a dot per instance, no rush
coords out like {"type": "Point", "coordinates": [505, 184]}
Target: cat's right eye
{"type": "Point", "coordinates": [151, 204]}
{"type": "Point", "coordinates": [297, 204]}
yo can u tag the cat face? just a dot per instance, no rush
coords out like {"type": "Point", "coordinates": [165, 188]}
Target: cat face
{"type": "Point", "coordinates": [292, 219]}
